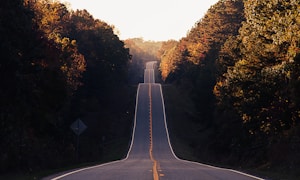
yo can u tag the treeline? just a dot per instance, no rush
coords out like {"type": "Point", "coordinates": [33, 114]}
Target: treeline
{"type": "Point", "coordinates": [240, 65]}
{"type": "Point", "coordinates": [58, 65]}
{"type": "Point", "coordinates": [141, 51]}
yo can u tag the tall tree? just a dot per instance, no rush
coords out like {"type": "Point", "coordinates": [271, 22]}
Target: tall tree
{"type": "Point", "coordinates": [195, 56]}
{"type": "Point", "coordinates": [45, 72]}
{"type": "Point", "coordinates": [167, 54]}
{"type": "Point", "coordinates": [268, 48]}
{"type": "Point", "coordinates": [33, 89]}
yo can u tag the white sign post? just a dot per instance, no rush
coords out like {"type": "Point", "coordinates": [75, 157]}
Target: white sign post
{"type": "Point", "coordinates": [78, 127]}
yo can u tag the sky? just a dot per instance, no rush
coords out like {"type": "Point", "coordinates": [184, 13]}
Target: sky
{"type": "Point", "coordinates": [156, 20]}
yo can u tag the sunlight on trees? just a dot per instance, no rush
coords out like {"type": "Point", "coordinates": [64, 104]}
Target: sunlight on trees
{"type": "Point", "coordinates": [57, 65]}
{"type": "Point", "coordinates": [247, 53]}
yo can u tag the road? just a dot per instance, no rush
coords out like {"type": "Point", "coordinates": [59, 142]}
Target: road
{"type": "Point", "coordinates": [150, 156]}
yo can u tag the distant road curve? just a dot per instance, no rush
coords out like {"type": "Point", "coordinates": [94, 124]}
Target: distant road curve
{"type": "Point", "coordinates": [150, 156]}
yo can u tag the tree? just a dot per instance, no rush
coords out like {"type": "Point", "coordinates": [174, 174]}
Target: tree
{"type": "Point", "coordinates": [33, 91]}
{"type": "Point", "coordinates": [265, 58]}
{"type": "Point", "coordinates": [141, 51]}
{"type": "Point", "coordinates": [51, 19]}
{"type": "Point", "coordinates": [48, 79]}
{"type": "Point", "coordinates": [167, 53]}
{"type": "Point", "coordinates": [196, 55]}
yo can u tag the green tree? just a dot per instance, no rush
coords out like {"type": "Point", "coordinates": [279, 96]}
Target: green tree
{"type": "Point", "coordinates": [196, 55]}
{"type": "Point", "coordinates": [33, 91]}
{"type": "Point", "coordinates": [260, 77]}
{"type": "Point", "coordinates": [48, 79]}
{"type": "Point", "coordinates": [51, 19]}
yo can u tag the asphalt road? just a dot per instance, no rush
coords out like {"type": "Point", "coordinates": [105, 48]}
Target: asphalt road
{"type": "Point", "coordinates": [150, 155]}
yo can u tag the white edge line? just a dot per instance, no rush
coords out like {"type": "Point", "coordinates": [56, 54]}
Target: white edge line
{"type": "Point", "coordinates": [153, 77]}
{"type": "Point", "coordinates": [105, 164]}
{"type": "Point", "coordinates": [167, 131]}
{"type": "Point", "coordinates": [134, 124]}
{"type": "Point", "coordinates": [131, 144]}
{"type": "Point", "coordinates": [150, 70]}
{"type": "Point", "coordinates": [83, 169]}
{"type": "Point", "coordinates": [145, 72]}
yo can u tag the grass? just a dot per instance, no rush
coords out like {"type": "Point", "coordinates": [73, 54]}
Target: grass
{"type": "Point", "coordinates": [114, 149]}
{"type": "Point", "coordinates": [186, 135]}
{"type": "Point", "coordinates": [180, 114]}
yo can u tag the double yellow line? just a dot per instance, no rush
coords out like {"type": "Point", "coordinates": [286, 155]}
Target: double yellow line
{"type": "Point", "coordinates": [155, 163]}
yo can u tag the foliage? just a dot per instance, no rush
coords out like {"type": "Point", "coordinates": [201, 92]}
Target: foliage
{"type": "Point", "coordinates": [58, 65]}
{"type": "Point", "coordinates": [260, 84]}
{"type": "Point", "coordinates": [260, 80]}
{"type": "Point", "coordinates": [167, 54]}
{"type": "Point", "coordinates": [49, 18]}
{"type": "Point", "coordinates": [191, 62]}
{"type": "Point", "coordinates": [247, 54]}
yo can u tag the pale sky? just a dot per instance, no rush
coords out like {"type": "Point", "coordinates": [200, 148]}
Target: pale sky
{"type": "Point", "coordinates": [156, 20]}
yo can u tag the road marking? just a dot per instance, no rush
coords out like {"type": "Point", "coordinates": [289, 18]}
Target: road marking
{"type": "Point", "coordinates": [155, 163]}
{"type": "Point", "coordinates": [155, 168]}
{"type": "Point", "coordinates": [192, 162]}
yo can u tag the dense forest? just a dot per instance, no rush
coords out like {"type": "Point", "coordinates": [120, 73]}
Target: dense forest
{"type": "Point", "coordinates": [240, 66]}
{"type": "Point", "coordinates": [58, 65]}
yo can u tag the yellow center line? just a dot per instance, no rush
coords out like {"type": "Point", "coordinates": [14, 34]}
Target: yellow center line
{"type": "Point", "coordinates": [155, 163]}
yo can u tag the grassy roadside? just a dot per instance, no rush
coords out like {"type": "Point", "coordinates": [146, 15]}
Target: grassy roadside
{"type": "Point", "coordinates": [186, 134]}
{"type": "Point", "coordinates": [113, 149]}
{"type": "Point", "coordinates": [180, 113]}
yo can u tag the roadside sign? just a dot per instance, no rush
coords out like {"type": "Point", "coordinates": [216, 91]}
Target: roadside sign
{"type": "Point", "coordinates": [78, 127]}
